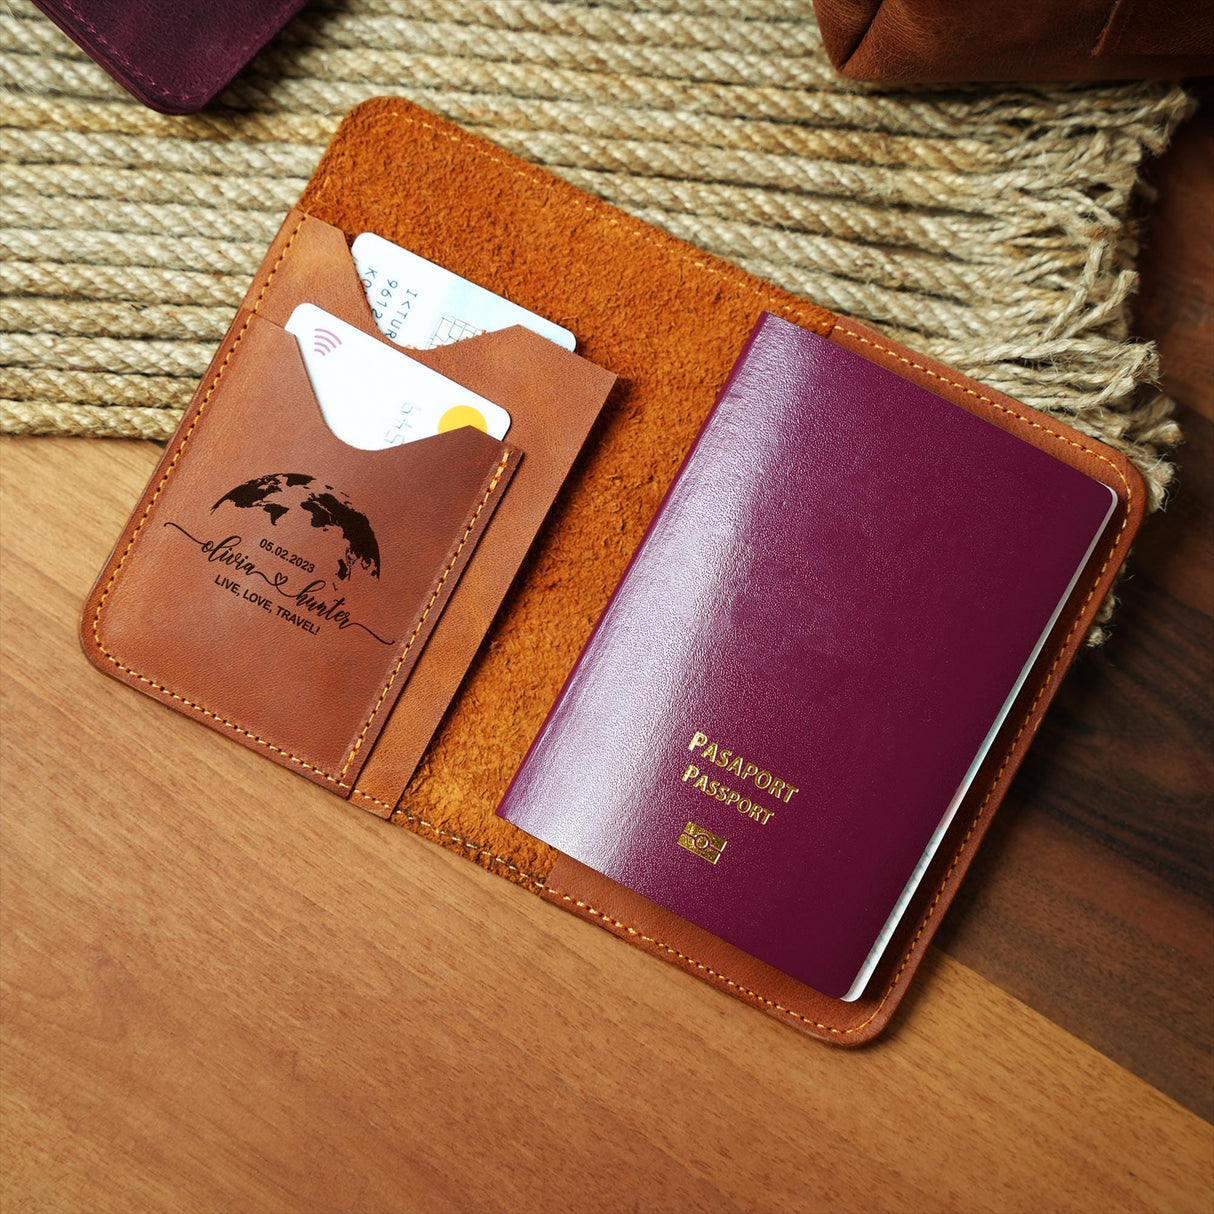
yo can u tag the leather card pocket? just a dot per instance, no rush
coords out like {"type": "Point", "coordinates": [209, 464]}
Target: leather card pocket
{"type": "Point", "coordinates": [280, 584]}
{"type": "Point", "coordinates": [554, 398]}
{"type": "Point", "coordinates": [309, 598]}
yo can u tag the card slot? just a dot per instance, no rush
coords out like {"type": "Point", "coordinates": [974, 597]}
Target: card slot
{"type": "Point", "coordinates": [553, 397]}
{"type": "Point", "coordinates": [310, 262]}
{"type": "Point", "coordinates": [327, 711]}
{"type": "Point", "coordinates": [279, 583]}
{"type": "Point", "coordinates": [405, 454]}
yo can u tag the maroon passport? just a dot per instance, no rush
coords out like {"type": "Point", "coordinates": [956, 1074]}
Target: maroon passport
{"type": "Point", "coordinates": [811, 651]}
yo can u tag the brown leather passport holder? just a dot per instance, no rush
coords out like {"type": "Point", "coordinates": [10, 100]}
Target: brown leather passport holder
{"type": "Point", "coordinates": [666, 318]}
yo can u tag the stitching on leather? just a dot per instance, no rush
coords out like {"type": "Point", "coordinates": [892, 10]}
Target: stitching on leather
{"type": "Point", "coordinates": [1062, 438]}
{"type": "Point", "coordinates": [931, 909]}
{"type": "Point", "coordinates": [528, 172]}
{"type": "Point", "coordinates": [143, 518]}
{"type": "Point", "coordinates": [699, 965]}
{"type": "Point", "coordinates": [602, 211]}
{"type": "Point", "coordinates": [539, 882]}
{"type": "Point", "coordinates": [234, 61]}
{"type": "Point", "coordinates": [930, 912]}
{"type": "Point", "coordinates": [593, 205]}
{"type": "Point", "coordinates": [438, 589]}
{"type": "Point", "coordinates": [478, 850]}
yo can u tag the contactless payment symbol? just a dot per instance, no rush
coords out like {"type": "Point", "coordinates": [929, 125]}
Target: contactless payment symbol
{"type": "Point", "coordinates": [373, 396]}
{"type": "Point", "coordinates": [702, 843]}
{"type": "Point", "coordinates": [324, 341]}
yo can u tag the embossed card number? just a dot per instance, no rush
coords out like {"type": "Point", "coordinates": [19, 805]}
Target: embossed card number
{"type": "Point", "coordinates": [420, 304]}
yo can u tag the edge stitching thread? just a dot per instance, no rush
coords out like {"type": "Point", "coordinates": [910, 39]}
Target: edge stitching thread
{"type": "Point", "coordinates": [418, 823]}
{"type": "Point", "coordinates": [930, 912]}
{"type": "Point", "coordinates": [171, 467]}
{"type": "Point", "coordinates": [438, 589]}
{"type": "Point", "coordinates": [596, 206]}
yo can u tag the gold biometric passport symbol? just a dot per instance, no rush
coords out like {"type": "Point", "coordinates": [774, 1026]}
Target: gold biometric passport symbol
{"type": "Point", "coordinates": [702, 843]}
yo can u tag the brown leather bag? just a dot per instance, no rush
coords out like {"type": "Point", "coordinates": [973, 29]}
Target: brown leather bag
{"type": "Point", "coordinates": [943, 40]}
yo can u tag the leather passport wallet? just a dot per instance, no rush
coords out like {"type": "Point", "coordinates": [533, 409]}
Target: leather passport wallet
{"type": "Point", "coordinates": [419, 693]}
{"type": "Point", "coordinates": [174, 57]}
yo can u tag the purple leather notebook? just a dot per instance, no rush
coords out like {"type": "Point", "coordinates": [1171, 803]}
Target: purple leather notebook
{"type": "Point", "coordinates": [810, 653]}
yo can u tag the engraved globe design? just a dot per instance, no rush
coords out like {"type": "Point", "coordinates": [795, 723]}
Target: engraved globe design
{"type": "Point", "coordinates": [293, 494]}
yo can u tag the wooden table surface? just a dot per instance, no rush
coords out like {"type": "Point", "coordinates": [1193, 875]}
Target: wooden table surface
{"type": "Point", "coordinates": [224, 989]}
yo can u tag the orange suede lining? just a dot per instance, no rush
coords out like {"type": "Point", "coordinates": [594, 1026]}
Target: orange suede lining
{"type": "Point", "coordinates": [667, 318]}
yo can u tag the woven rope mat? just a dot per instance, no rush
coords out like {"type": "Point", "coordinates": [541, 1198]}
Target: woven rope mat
{"type": "Point", "coordinates": [988, 227]}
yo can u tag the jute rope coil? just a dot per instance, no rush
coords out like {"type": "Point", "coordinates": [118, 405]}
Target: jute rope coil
{"type": "Point", "coordinates": [989, 227]}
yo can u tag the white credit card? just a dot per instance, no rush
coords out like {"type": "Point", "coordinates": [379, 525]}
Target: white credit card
{"type": "Point", "coordinates": [372, 396]}
{"type": "Point", "coordinates": [416, 303]}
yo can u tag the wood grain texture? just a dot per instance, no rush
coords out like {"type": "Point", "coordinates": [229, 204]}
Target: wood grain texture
{"type": "Point", "coordinates": [1092, 897]}
{"type": "Point", "coordinates": [225, 989]}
